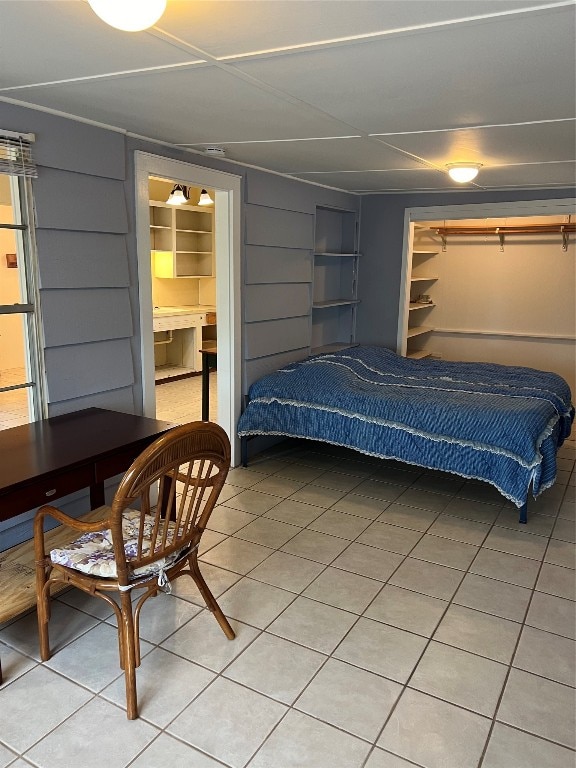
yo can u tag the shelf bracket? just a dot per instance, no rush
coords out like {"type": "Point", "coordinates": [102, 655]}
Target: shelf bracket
{"type": "Point", "coordinates": [501, 238]}
{"type": "Point", "coordinates": [564, 239]}
{"type": "Point", "coordinates": [443, 238]}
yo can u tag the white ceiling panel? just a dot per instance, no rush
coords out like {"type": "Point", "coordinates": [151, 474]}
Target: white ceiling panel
{"type": "Point", "coordinates": [321, 155]}
{"type": "Point", "coordinates": [382, 181]}
{"type": "Point", "coordinates": [515, 69]}
{"type": "Point", "coordinates": [66, 40]}
{"type": "Point", "coordinates": [187, 106]}
{"type": "Point", "coordinates": [277, 71]}
{"type": "Point", "coordinates": [497, 145]}
{"type": "Point", "coordinates": [232, 27]}
{"type": "Point", "coordinates": [537, 175]}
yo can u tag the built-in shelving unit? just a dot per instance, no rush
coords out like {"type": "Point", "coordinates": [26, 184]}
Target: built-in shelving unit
{"type": "Point", "coordinates": [335, 280]}
{"type": "Point", "coordinates": [417, 312]}
{"type": "Point", "coordinates": [182, 240]}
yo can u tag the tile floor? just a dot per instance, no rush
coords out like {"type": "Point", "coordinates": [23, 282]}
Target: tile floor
{"type": "Point", "coordinates": [386, 617]}
{"type": "Point", "coordinates": [13, 402]}
{"type": "Point", "coordinates": [181, 401]}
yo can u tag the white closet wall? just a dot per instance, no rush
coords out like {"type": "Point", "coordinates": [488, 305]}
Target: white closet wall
{"type": "Point", "coordinates": [515, 307]}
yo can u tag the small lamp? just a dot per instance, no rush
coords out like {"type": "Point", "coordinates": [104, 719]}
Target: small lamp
{"type": "Point", "coordinates": [178, 196]}
{"type": "Point", "coordinates": [129, 15]}
{"type": "Point", "coordinates": [205, 198]}
{"type": "Point", "coordinates": [463, 172]}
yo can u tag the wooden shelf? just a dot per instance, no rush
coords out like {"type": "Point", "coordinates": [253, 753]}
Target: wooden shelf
{"type": "Point", "coordinates": [418, 331]}
{"type": "Point", "coordinates": [420, 305]}
{"type": "Point", "coordinates": [418, 354]}
{"type": "Point", "coordinates": [427, 278]}
{"type": "Point", "coordinates": [424, 253]}
{"type": "Point", "coordinates": [181, 241]}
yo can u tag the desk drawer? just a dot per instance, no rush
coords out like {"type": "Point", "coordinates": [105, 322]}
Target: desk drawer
{"type": "Point", "coordinates": [117, 464]}
{"type": "Point", "coordinates": [44, 491]}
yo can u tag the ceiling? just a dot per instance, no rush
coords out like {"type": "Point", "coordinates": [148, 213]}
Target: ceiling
{"type": "Point", "coordinates": [366, 96]}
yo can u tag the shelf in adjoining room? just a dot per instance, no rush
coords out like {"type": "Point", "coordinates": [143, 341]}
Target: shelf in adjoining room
{"type": "Point", "coordinates": [421, 305]}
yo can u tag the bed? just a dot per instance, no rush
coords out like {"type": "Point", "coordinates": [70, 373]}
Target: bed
{"type": "Point", "coordinates": [489, 422]}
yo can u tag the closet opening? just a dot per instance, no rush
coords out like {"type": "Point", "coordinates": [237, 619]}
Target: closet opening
{"type": "Point", "coordinates": [491, 288]}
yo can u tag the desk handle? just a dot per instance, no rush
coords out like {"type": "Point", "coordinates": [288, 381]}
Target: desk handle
{"type": "Point", "coordinates": [50, 493]}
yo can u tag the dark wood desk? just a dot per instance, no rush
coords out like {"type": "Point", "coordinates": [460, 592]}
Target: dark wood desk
{"type": "Point", "coordinates": [209, 359]}
{"type": "Point", "coordinates": [44, 460]}
{"type": "Point", "coordinates": [47, 459]}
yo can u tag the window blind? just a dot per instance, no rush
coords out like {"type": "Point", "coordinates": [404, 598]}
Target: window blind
{"type": "Point", "coordinates": [16, 154]}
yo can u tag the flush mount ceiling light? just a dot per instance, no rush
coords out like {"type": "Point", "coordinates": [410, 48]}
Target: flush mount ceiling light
{"type": "Point", "coordinates": [129, 15]}
{"type": "Point", "coordinates": [178, 196]}
{"type": "Point", "coordinates": [205, 198]}
{"type": "Point", "coordinates": [463, 172]}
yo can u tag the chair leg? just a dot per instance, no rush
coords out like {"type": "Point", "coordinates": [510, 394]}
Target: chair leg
{"type": "Point", "coordinates": [43, 610]}
{"type": "Point", "coordinates": [209, 598]}
{"type": "Point", "coordinates": [128, 662]}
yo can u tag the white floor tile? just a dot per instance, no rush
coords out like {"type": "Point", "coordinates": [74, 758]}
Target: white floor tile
{"type": "Point", "coordinates": [378, 611]}
{"type": "Point", "coordinates": [228, 721]}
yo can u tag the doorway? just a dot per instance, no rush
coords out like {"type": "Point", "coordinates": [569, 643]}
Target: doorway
{"type": "Point", "coordinates": [226, 239]}
{"type": "Point", "coordinates": [183, 271]}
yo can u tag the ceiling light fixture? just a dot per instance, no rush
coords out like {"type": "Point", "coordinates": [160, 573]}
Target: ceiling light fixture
{"type": "Point", "coordinates": [129, 15]}
{"type": "Point", "coordinates": [178, 196]}
{"type": "Point", "coordinates": [463, 172]}
{"type": "Point", "coordinates": [205, 198]}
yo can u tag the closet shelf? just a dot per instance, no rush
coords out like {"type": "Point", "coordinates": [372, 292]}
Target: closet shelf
{"type": "Point", "coordinates": [420, 329]}
{"type": "Point", "coordinates": [424, 253]}
{"type": "Point", "coordinates": [420, 305]}
{"type": "Point", "coordinates": [427, 278]}
{"type": "Point", "coordinates": [418, 354]}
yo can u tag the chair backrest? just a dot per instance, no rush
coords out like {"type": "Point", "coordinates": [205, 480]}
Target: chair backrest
{"type": "Point", "coordinates": [173, 486]}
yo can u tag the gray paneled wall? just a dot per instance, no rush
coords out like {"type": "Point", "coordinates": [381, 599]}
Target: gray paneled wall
{"type": "Point", "coordinates": [267, 264]}
{"type": "Point", "coordinates": [88, 369]}
{"type": "Point", "coordinates": [272, 302]}
{"type": "Point", "coordinates": [278, 268]}
{"type": "Point", "coordinates": [78, 202]}
{"type": "Point", "coordinates": [82, 259]}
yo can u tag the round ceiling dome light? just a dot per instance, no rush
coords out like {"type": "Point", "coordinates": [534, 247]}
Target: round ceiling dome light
{"type": "Point", "coordinates": [129, 15]}
{"type": "Point", "coordinates": [463, 172]}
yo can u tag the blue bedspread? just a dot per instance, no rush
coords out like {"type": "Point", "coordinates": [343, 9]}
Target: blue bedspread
{"type": "Point", "coordinates": [490, 422]}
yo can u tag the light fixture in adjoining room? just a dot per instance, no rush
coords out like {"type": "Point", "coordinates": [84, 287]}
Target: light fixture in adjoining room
{"type": "Point", "coordinates": [129, 15]}
{"type": "Point", "coordinates": [178, 196]}
{"type": "Point", "coordinates": [463, 172]}
{"type": "Point", "coordinates": [205, 198]}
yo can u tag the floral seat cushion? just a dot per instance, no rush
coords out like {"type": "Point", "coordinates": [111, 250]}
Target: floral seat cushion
{"type": "Point", "coordinates": [93, 553]}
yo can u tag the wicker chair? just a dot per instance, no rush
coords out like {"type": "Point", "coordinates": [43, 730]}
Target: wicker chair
{"type": "Point", "coordinates": [141, 543]}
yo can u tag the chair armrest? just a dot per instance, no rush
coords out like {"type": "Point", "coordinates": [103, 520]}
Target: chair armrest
{"type": "Point", "coordinates": [49, 511]}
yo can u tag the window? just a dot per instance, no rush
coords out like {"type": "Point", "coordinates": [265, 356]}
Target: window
{"type": "Point", "coordinates": [21, 385]}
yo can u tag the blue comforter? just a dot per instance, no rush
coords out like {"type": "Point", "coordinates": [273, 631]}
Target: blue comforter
{"type": "Point", "coordinates": [490, 422]}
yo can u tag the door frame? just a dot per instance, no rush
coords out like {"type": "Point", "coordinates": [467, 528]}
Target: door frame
{"type": "Point", "coordinates": [227, 213]}
{"type": "Point", "coordinates": [516, 208]}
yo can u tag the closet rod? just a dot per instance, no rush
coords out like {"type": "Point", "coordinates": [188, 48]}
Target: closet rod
{"type": "Point", "coordinates": [558, 229]}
